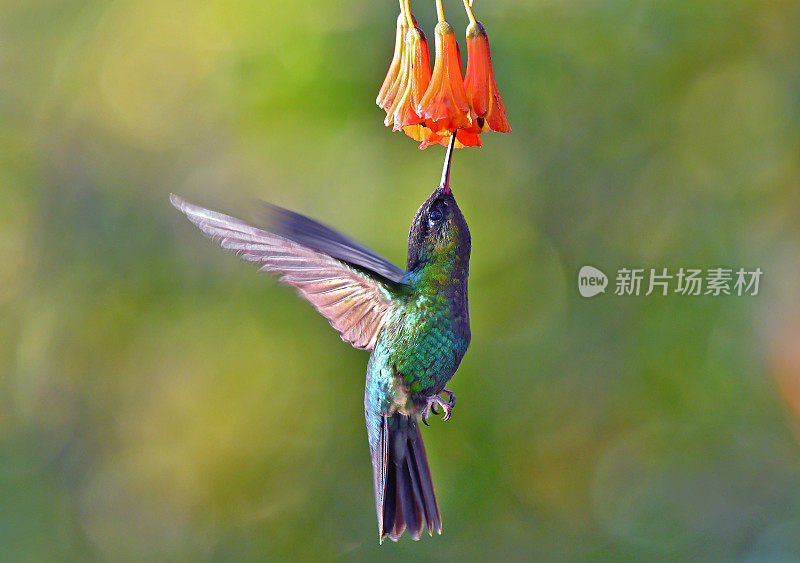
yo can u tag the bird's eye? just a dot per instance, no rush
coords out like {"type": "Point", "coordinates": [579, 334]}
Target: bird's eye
{"type": "Point", "coordinates": [436, 216]}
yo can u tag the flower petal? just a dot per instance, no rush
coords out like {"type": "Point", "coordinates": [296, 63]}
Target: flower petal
{"type": "Point", "coordinates": [423, 134]}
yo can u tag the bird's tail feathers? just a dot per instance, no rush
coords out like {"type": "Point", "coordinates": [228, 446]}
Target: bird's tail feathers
{"type": "Point", "coordinates": [404, 496]}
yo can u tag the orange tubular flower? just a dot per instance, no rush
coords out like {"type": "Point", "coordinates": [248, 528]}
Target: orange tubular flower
{"type": "Point", "coordinates": [415, 74]}
{"type": "Point", "coordinates": [487, 109]}
{"type": "Point", "coordinates": [385, 99]}
{"type": "Point", "coordinates": [430, 107]}
{"type": "Point", "coordinates": [445, 107]}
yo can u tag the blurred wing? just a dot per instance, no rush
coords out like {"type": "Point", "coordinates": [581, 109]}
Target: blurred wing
{"type": "Point", "coordinates": [307, 232]}
{"type": "Point", "coordinates": [356, 304]}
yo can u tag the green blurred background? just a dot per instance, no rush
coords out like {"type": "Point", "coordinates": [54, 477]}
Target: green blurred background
{"type": "Point", "coordinates": [160, 400]}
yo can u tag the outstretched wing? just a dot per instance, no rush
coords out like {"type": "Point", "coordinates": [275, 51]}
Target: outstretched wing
{"type": "Point", "coordinates": [307, 232]}
{"type": "Point", "coordinates": [356, 303]}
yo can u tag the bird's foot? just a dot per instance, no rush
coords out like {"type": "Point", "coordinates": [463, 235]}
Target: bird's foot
{"type": "Point", "coordinates": [447, 406]}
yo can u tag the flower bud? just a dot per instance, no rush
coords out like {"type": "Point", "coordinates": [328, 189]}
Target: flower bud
{"type": "Point", "coordinates": [384, 99]}
{"type": "Point", "coordinates": [486, 105]}
{"type": "Point", "coordinates": [444, 106]}
{"type": "Point", "coordinates": [415, 76]}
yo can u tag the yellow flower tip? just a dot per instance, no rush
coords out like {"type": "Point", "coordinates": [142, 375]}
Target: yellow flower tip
{"type": "Point", "coordinates": [445, 106]}
{"type": "Point", "coordinates": [476, 29]}
{"type": "Point", "coordinates": [486, 104]}
{"type": "Point", "coordinates": [421, 133]}
{"type": "Point", "coordinates": [443, 28]}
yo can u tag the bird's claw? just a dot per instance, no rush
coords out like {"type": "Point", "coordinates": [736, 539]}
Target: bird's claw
{"type": "Point", "coordinates": [447, 406]}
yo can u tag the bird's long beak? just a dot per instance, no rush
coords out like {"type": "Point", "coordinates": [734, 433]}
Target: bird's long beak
{"type": "Point", "coordinates": [445, 184]}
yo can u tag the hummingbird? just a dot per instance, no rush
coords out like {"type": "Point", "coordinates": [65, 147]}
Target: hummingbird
{"type": "Point", "coordinates": [415, 322]}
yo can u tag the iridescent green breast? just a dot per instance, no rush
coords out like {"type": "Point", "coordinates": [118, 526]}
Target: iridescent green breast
{"type": "Point", "coordinates": [428, 349]}
{"type": "Point", "coordinates": [421, 347]}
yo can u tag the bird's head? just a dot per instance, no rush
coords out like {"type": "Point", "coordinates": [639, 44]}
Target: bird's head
{"type": "Point", "coordinates": [439, 230]}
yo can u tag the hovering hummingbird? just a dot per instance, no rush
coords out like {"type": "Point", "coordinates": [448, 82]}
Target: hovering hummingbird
{"type": "Point", "coordinates": [415, 322]}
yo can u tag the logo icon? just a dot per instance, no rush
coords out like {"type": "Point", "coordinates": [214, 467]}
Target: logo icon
{"type": "Point", "coordinates": [591, 281]}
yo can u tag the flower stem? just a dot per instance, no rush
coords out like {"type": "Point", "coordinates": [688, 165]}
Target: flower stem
{"type": "Point", "coordinates": [439, 10]}
{"type": "Point", "coordinates": [405, 7]}
{"type": "Point", "coordinates": [468, 8]}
